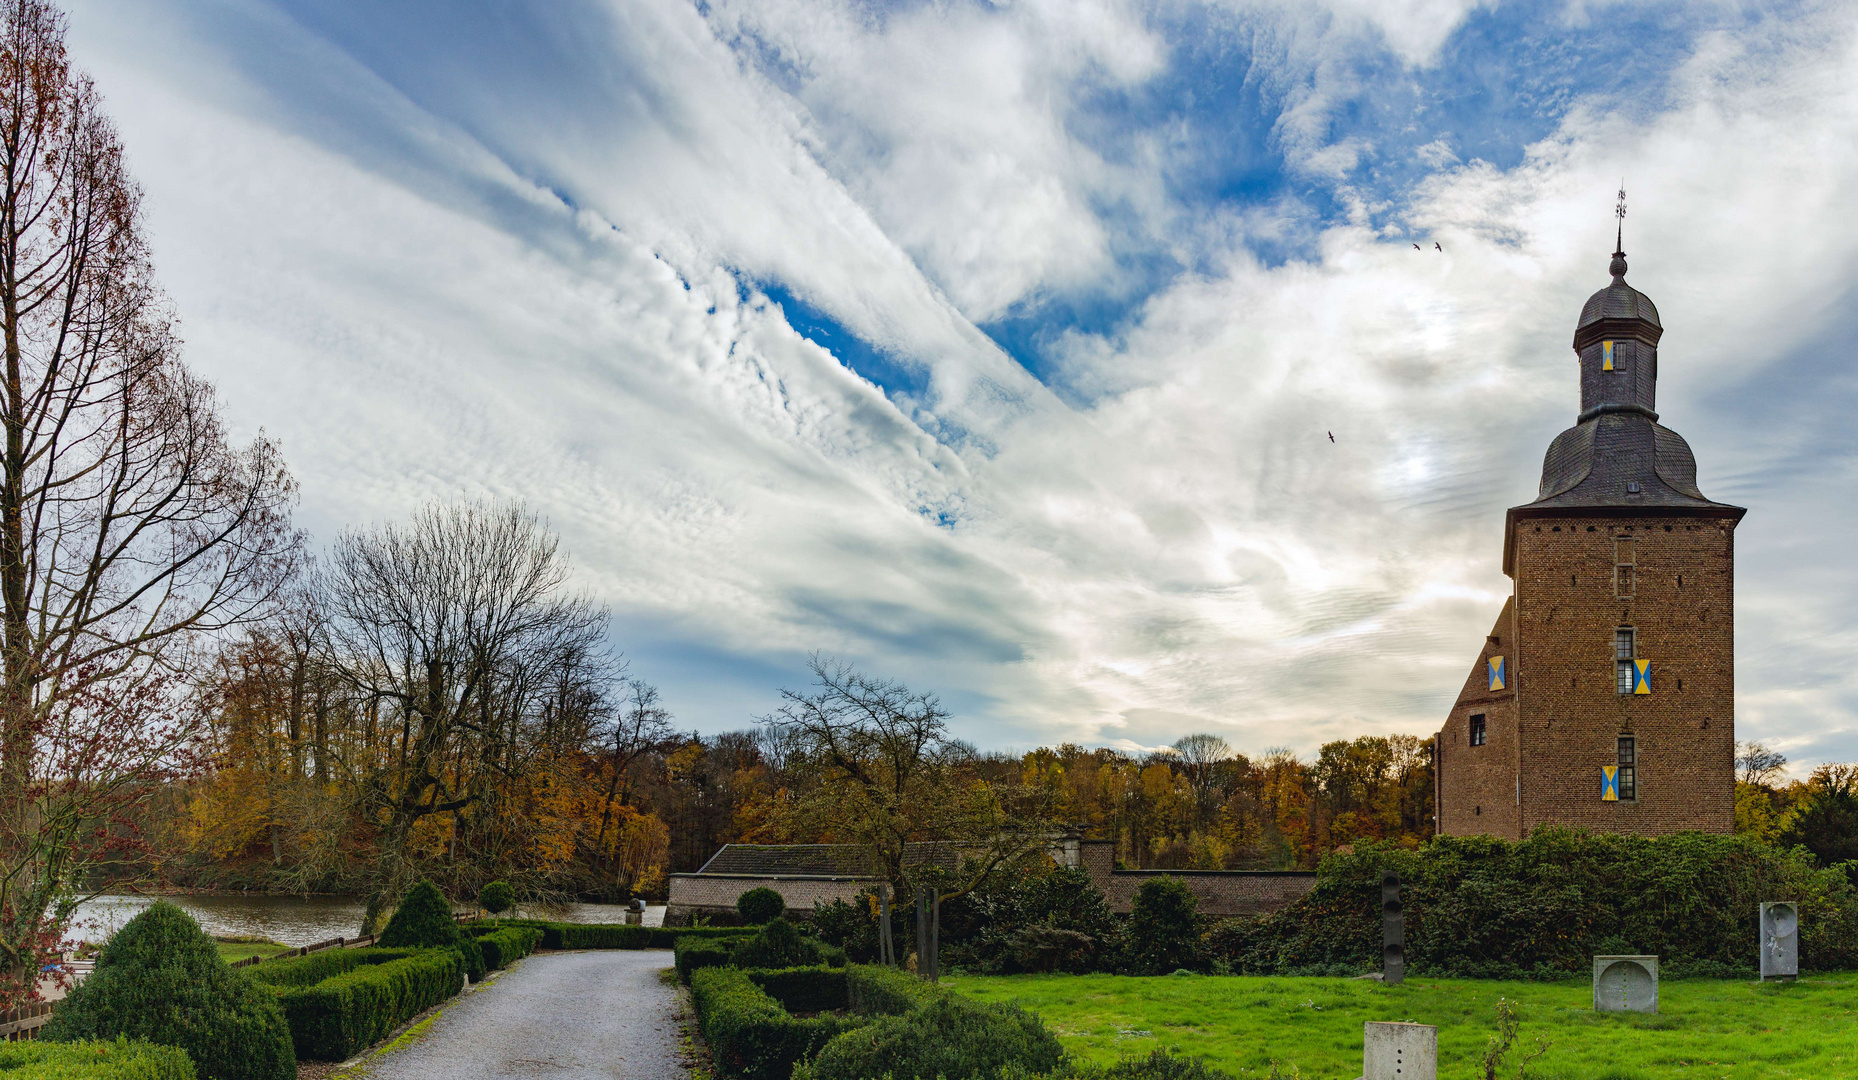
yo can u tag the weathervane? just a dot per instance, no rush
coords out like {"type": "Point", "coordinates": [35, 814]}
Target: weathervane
{"type": "Point", "coordinates": [1619, 212]}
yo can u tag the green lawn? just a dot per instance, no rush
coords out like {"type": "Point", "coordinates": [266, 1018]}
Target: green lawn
{"type": "Point", "coordinates": [1706, 1028]}
{"type": "Point", "coordinates": [239, 950]}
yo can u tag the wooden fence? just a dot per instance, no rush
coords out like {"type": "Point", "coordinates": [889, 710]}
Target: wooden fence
{"type": "Point", "coordinates": [25, 1021]}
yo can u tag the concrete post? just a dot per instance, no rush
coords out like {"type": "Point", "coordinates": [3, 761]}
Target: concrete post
{"type": "Point", "coordinates": [1393, 930]}
{"type": "Point", "coordinates": [1399, 1052]}
{"type": "Point", "coordinates": [1780, 940]}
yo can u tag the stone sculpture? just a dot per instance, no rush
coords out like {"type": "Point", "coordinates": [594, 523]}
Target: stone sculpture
{"type": "Point", "coordinates": [1780, 940]}
{"type": "Point", "coordinates": [1625, 984]}
{"type": "Point", "coordinates": [1399, 1052]}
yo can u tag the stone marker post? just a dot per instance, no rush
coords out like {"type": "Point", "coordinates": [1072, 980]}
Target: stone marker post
{"type": "Point", "coordinates": [886, 949]}
{"type": "Point", "coordinates": [1399, 1052]}
{"type": "Point", "coordinates": [922, 933]}
{"type": "Point", "coordinates": [1393, 930]}
{"type": "Point", "coordinates": [1780, 940]}
{"type": "Point", "coordinates": [1625, 984]}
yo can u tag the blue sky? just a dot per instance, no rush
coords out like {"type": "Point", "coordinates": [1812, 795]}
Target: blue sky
{"type": "Point", "coordinates": [995, 346]}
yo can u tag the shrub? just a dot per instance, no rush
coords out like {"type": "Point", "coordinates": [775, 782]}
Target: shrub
{"type": "Point", "coordinates": [424, 921]}
{"type": "Point", "coordinates": [160, 979]}
{"type": "Point", "coordinates": [556, 935]}
{"type": "Point", "coordinates": [778, 945]}
{"type": "Point", "coordinates": [317, 966]}
{"type": "Point", "coordinates": [947, 1037]}
{"type": "Point", "coordinates": [803, 989]}
{"type": "Point", "coordinates": [873, 990]}
{"type": "Point", "coordinates": [119, 1059]}
{"type": "Point", "coordinates": [1164, 928]}
{"type": "Point", "coordinates": [496, 897]}
{"type": "Point", "coordinates": [760, 905]}
{"type": "Point", "coordinates": [334, 1017]}
{"type": "Point", "coordinates": [748, 1032]}
{"type": "Point", "coordinates": [692, 953]}
{"type": "Point", "coordinates": [505, 946]}
{"type": "Point", "coordinates": [1542, 907]}
{"type": "Point", "coordinates": [1031, 919]}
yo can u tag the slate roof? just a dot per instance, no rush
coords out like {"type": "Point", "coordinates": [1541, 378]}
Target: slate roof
{"type": "Point", "coordinates": [1618, 301]}
{"type": "Point", "coordinates": [815, 860]}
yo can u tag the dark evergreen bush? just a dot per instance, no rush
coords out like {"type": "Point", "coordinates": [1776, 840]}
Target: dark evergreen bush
{"type": "Point", "coordinates": [160, 979]}
{"type": "Point", "coordinates": [778, 945]}
{"type": "Point", "coordinates": [424, 921]}
{"type": "Point", "coordinates": [1032, 919]}
{"type": "Point", "coordinates": [947, 1037]}
{"type": "Point", "coordinates": [1542, 908]}
{"type": "Point", "coordinates": [760, 905]}
{"type": "Point", "coordinates": [496, 897]}
{"type": "Point", "coordinates": [361, 998]}
{"type": "Point", "coordinates": [1164, 928]}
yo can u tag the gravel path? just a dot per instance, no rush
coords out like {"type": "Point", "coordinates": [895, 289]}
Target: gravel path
{"type": "Point", "coordinates": [569, 1015]}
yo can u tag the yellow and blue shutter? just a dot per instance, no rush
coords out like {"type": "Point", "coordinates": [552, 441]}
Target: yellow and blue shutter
{"type": "Point", "coordinates": [1641, 676]}
{"type": "Point", "coordinates": [1496, 673]}
{"type": "Point", "coordinates": [1606, 356]}
{"type": "Point", "coordinates": [1609, 783]}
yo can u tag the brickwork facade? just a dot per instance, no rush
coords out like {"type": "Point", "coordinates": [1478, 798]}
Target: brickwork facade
{"type": "Point", "coordinates": [1219, 892]}
{"type": "Point", "coordinates": [713, 896]}
{"type": "Point", "coordinates": [1618, 640]}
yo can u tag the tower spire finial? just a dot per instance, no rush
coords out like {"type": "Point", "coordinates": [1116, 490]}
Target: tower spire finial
{"type": "Point", "coordinates": [1618, 268]}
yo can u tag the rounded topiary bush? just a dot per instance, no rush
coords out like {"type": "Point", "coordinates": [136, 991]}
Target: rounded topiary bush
{"type": "Point", "coordinates": [947, 1037]}
{"type": "Point", "coordinates": [761, 905]}
{"type": "Point", "coordinates": [424, 921]}
{"type": "Point", "coordinates": [779, 945]}
{"type": "Point", "coordinates": [160, 979]}
{"type": "Point", "coordinates": [1164, 927]}
{"type": "Point", "coordinates": [496, 897]}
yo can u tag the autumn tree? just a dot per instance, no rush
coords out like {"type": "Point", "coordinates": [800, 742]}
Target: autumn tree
{"type": "Point", "coordinates": [454, 631]}
{"type": "Point", "coordinates": [130, 526]}
{"type": "Point", "coordinates": [876, 766]}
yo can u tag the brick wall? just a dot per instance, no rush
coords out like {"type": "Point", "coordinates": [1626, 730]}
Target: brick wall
{"type": "Point", "coordinates": [1220, 892]}
{"type": "Point", "coordinates": [1561, 715]}
{"type": "Point", "coordinates": [714, 895]}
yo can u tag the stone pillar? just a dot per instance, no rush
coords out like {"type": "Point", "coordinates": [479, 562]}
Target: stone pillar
{"type": "Point", "coordinates": [1625, 984]}
{"type": "Point", "coordinates": [1393, 930]}
{"type": "Point", "coordinates": [1780, 940]}
{"type": "Point", "coordinates": [1399, 1051]}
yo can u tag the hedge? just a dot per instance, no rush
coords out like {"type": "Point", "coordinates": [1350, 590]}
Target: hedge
{"type": "Point", "coordinates": [748, 1032]}
{"type": "Point", "coordinates": [333, 1018]}
{"type": "Point", "coordinates": [424, 921]}
{"type": "Point", "coordinates": [691, 953]}
{"type": "Point", "coordinates": [119, 1059]}
{"type": "Point", "coordinates": [325, 963]}
{"type": "Point", "coordinates": [947, 1037]}
{"type": "Point", "coordinates": [507, 945]}
{"type": "Point", "coordinates": [802, 989]}
{"type": "Point", "coordinates": [1480, 907]}
{"type": "Point", "coordinates": [559, 935]}
{"type": "Point", "coordinates": [875, 990]}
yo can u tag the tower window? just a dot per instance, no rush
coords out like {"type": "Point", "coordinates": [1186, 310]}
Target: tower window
{"type": "Point", "coordinates": [1624, 565]}
{"type": "Point", "coordinates": [1625, 650]}
{"type": "Point", "coordinates": [1628, 769]}
{"type": "Point", "coordinates": [1477, 729]}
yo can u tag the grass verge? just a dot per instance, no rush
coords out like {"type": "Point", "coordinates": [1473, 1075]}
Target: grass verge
{"type": "Point", "coordinates": [1735, 1030]}
{"type": "Point", "coordinates": [231, 949]}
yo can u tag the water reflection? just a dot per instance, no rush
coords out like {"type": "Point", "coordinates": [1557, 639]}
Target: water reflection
{"type": "Point", "coordinates": [292, 920]}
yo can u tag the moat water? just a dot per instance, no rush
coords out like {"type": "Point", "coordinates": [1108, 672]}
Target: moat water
{"type": "Point", "coordinates": [291, 920]}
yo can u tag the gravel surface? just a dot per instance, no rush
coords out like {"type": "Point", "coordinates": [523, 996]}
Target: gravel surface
{"type": "Point", "coordinates": [569, 1015]}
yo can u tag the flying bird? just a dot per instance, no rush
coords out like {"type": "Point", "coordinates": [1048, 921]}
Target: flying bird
{"type": "Point", "coordinates": [1435, 244]}
{"type": "Point", "coordinates": [1416, 247]}
{"type": "Point", "coordinates": [1332, 434]}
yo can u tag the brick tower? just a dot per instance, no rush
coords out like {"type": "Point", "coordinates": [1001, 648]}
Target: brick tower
{"type": "Point", "coordinates": [1604, 697]}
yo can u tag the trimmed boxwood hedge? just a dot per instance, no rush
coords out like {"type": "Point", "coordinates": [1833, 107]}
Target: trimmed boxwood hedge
{"type": "Point", "coordinates": [559, 935]}
{"type": "Point", "coordinates": [691, 953]}
{"type": "Point", "coordinates": [875, 990]}
{"type": "Point", "coordinates": [748, 1032]}
{"type": "Point", "coordinates": [947, 1037]}
{"type": "Point", "coordinates": [344, 1012]}
{"type": "Point", "coordinates": [505, 946]}
{"type": "Point", "coordinates": [118, 1059]}
{"type": "Point", "coordinates": [802, 989]}
{"type": "Point", "coordinates": [424, 921]}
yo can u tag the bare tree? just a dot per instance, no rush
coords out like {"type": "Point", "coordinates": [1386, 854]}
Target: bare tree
{"type": "Point", "coordinates": [450, 629]}
{"type": "Point", "coordinates": [129, 525]}
{"type": "Point", "coordinates": [641, 726]}
{"type": "Point", "coordinates": [1756, 764]}
{"type": "Point", "coordinates": [882, 772]}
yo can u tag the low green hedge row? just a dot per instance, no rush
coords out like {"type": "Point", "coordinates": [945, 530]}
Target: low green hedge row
{"type": "Point", "coordinates": [118, 1060]}
{"type": "Point", "coordinates": [875, 990]}
{"type": "Point", "coordinates": [347, 1011]}
{"type": "Point", "coordinates": [317, 966]}
{"type": "Point", "coordinates": [946, 1037]}
{"type": "Point", "coordinates": [802, 989]}
{"type": "Point", "coordinates": [505, 946]}
{"type": "Point", "coordinates": [558, 935]}
{"type": "Point", "coordinates": [748, 1032]}
{"type": "Point", "coordinates": [691, 953]}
